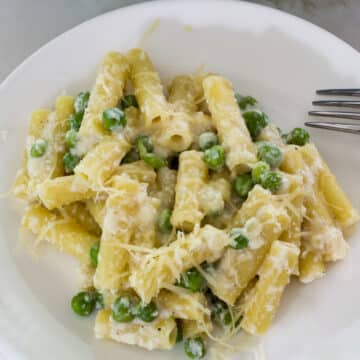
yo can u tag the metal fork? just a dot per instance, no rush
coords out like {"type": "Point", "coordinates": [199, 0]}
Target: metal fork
{"type": "Point", "coordinates": [343, 127]}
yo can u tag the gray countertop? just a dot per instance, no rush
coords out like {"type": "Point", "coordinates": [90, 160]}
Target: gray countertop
{"type": "Point", "coordinates": [25, 25]}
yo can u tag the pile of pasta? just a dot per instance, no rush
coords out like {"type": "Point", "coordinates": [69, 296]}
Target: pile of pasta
{"type": "Point", "coordinates": [187, 210]}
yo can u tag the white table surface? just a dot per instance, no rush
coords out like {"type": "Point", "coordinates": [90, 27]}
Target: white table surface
{"type": "Point", "coordinates": [25, 25]}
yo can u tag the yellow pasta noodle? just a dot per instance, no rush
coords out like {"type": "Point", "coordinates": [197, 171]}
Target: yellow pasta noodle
{"type": "Point", "coordinates": [96, 207]}
{"type": "Point", "coordinates": [322, 239]}
{"type": "Point", "coordinates": [137, 170]}
{"type": "Point", "coordinates": [336, 199]}
{"type": "Point", "coordinates": [63, 190]}
{"type": "Point", "coordinates": [100, 163]}
{"type": "Point", "coordinates": [178, 136]}
{"type": "Point", "coordinates": [321, 235]}
{"type": "Point", "coordinates": [159, 334]}
{"type": "Point", "coordinates": [148, 88]}
{"type": "Point", "coordinates": [38, 120]}
{"type": "Point", "coordinates": [163, 266]}
{"type": "Point", "coordinates": [294, 202]}
{"type": "Point", "coordinates": [231, 127]}
{"type": "Point", "coordinates": [262, 220]}
{"type": "Point", "coordinates": [66, 235]}
{"type": "Point", "coordinates": [192, 174]}
{"type": "Point", "coordinates": [212, 196]}
{"type": "Point", "coordinates": [193, 328]}
{"type": "Point", "coordinates": [274, 276]}
{"type": "Point", "coordinates": [50, 164]}
{"type": "Point", "coordinates": [64, 107]}
{"type": "Point", "coordinates": [128, 210]}
{"type": "Point", "coordinates": [184, 93]}
{"type": "Point", "coordinates": [79, 212]}
{"type": "Point", "coordinates": [311, 266]}
{"type": "Point", "coordinates": [184, 305]}
{"type": "Point", "coordinates": [107, 91]}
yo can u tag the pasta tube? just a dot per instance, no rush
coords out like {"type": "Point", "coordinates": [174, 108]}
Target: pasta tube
{"type": "Point", "coordinates": [337, 201]}
{"type": "Point", "coordinates": [163, 267]}
{"type": "Point", "coordinates": [106, 93]}
{"type": "Point", "coordinates": [100, 163]}
{"type": "Point", "coordinates": [129, 212]}
{"type": "Point", "coordinates": [66, 235]}
{"type": "Point", "coordinates": [262, 220]}
{"type": "Point", "coordinates": [231, 127]}
{"type": "Point", "coordinates": [148, 89]}
{"type": "Point", "coordinates": [159, 334]}
{"type": "Point", "coordinates": [274, 274]}
{"type": "Point", "coordinates": [63, 190]}
{"type": "Point", "coordinates": [185, 93]}
{"type": "Point", "coordinates": [192, 174]}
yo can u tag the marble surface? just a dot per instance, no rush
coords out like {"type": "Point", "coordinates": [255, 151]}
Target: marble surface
{"type": "Point", "coordinates": [25, 25]}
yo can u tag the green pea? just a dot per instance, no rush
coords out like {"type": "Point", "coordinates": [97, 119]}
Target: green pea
{"type": "Point", "coordinates": [123, 309]}
{"type": "Point", "coordinates": [270, 154]}
{"type": "Point", "coordinates": [244, 101]}
{"type": "Point", "coordinates": [195, 348]}
{"type": "Point", "coordinates": [38, 148]}
{"type": "Point", "coordinates": [71, 138]}
{"type": "Point", "coordinates": [75, 121]}
{"type": "Point", "coordinates": [83, 303]}
{"type": "Point", "coordinates": [179, 333]}
{"type": "Point", "coordinates": [154, 161]}
{"type": "Point", "coordinates": [94, 253]}
{"type": "Point", "coordinates": [258, 171]}
{"type": "Point", "coordinates": [70, 161]}
{"type": "Point", "coordinates": [81, 102]}
{"type": "Point", "coordinates": [221, 313]}
{"type": "Point", "coordinates": [130, 157]}
{"type": "Point", "coordinates": [148, 312]}
{"type": "Point", "coordinates": [298, 136]}
{"type": "Point", "coordinates": [127, 101]}
{"type": "Point", "coordinates": [164, 223]}
{"type": "Point", "coordinates": [237, 239]}
{"type": "Point", "coordinates": [243, 184]}
{"type": "Point", "coordinates": [144, 145]}
{"type": "Point", "coordinates": [215, 157]}
{"type": "Point", "coordinates": [192, 280]}
{"type": "Point", "coordinates": [255, 121]}
{"type": "Point", "coordinates": [113, 119]}
{"type": "Point", "coordinates": [271, 181]}
{"type": "Point", "coordinates": [207, 140]}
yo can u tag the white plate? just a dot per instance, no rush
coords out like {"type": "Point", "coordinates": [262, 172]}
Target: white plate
{"type": "Point", "coordinates": [280, 60]}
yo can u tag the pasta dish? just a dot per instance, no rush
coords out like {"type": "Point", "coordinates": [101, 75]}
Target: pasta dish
{"type": "Point", "coordinates": [187, 209]}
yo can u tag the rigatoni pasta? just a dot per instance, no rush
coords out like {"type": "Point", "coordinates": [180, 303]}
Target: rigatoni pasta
{"type": "Point", "coordinates": [106, 93]}
{"type": "Point", "coordinates": [186, 218]}
{"type": "Point", "coordinates": [241, 153]}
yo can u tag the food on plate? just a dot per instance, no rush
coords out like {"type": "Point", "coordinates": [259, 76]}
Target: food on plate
{"type": "Point", "coordinates": [187, 209]}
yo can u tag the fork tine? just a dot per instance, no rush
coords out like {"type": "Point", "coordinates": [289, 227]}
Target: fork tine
{"type": "Point", "coordinates": [345, 92]}
{"type": "Point", "coordinates": [337, 114]}
{"type": "Point", "coordinates": [340, 103]}
{"type": "Point", "coordinates": [347, 128]}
